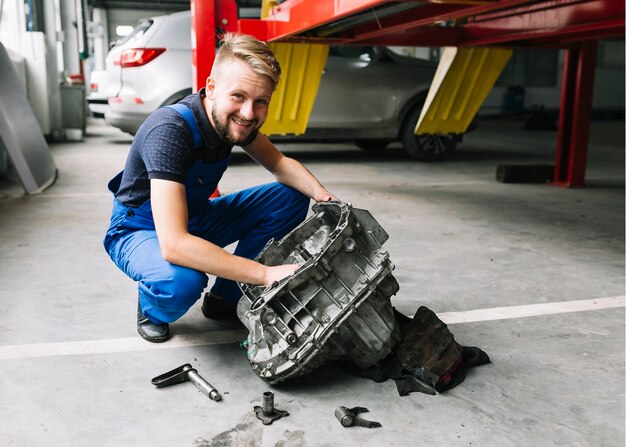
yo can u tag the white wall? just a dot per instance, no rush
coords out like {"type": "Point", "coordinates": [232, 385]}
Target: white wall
{"type": "Point", "coordinates": [117, 17]}
{"type": "Point", "coordinates": [608, 84]}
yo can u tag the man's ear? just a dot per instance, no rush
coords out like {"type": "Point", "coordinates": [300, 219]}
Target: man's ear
{"type": "Point", "coordinates": [210, 87]}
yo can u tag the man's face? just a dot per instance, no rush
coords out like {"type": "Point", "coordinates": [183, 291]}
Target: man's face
{"type": "Point", "coordinates": [237, 100]}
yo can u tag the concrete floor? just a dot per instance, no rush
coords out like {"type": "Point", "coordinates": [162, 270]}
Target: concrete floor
{"type": "Point", "coordinates": [73, 371]}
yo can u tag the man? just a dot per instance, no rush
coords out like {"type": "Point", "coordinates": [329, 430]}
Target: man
{"type": "Point", "coordinates": [165, 233]}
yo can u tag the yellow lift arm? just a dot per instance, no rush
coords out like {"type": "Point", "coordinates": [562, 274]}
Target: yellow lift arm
{"type": "Point", "coordinates": [462, 81]}
{"type": "Point", "coordinates": [302, 66]}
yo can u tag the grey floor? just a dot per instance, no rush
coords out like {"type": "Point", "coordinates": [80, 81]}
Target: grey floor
{"type": "Point", "coordinates": [73, 371]}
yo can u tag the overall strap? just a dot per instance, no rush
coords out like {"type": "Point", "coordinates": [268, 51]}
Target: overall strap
{"type": "Point", "coordinates": [187, 115]}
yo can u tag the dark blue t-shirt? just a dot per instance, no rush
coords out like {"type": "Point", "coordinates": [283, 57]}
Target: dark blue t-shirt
{"type": "Point", "coordinates": [163, 149]}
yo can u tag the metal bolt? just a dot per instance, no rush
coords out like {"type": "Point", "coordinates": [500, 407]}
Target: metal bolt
{"type": "Point", "coordinates": [224, 21]}
{"type": "Point", "coordinates": [348, 244]}
{"type": "Point", "coordinates": [291, 338]}
{"type": "Point", "coordinates": [270, 317]}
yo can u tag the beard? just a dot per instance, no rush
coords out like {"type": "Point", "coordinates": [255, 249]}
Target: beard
{"type": "Point", "coordinates": [227, 136]}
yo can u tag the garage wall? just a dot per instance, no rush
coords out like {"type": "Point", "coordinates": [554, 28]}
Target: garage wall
{"type": "Point", "coordinates": [541, 81]}
{"type": "Point", "coordinates": [129, 17]}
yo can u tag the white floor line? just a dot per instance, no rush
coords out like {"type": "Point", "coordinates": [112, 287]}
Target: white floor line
{"type": "Point", "coordinates": [115, 345]}
{"type": "Point", "coordinates": [13, 352]}
{"type": "Point", "coordinates": [71, 195]}
{"type": "Point", "coordinates": [531, 310]}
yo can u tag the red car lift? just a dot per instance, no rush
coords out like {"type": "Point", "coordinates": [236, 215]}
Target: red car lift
{"type": "Point", "coordinates": [574, 25]}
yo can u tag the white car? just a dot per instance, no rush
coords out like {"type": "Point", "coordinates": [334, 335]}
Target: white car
{"type": "Point", "coordinates": [150, 68]}
{"type": "Point", "coordinates": [100, 89]}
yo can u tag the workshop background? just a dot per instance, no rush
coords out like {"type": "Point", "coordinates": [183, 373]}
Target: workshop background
{"type": "Point", "coordinates": [486, 138]}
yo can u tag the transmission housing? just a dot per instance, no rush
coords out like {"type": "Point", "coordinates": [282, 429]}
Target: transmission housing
{"type": "Point", "coordinates": [335, 306]}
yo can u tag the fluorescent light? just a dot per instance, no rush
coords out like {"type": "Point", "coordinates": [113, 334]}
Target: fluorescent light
{"type": "Point", "coordinates": [123, 30]}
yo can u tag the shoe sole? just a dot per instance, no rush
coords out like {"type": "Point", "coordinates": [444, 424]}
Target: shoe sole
{"type": "Point", "coordinates": [159, 339]}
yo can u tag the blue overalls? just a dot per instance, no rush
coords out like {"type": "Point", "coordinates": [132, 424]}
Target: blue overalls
{"type": "Point", "coordinates": [252, 217]}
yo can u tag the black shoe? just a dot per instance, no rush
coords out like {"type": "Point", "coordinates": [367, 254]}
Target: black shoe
{"type": "Point", "coordinates": [155, 333]}
{"type": "Point", "coordinates": [215, 308]}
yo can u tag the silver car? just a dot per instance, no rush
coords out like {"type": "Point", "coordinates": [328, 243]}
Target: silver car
{"type": "Point", "coordinates": [368, 95]}
{"type": "Point", "coordinates": [373, 96]}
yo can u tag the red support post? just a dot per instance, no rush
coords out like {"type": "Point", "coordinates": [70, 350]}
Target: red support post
{"type": "Point", "coordinates": [202, 40]}
{"type": "Point", "coordinates": [575, 115]}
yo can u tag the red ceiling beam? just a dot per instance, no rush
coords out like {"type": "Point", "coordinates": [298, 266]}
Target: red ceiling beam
{"type": "Point", "coordinates": [424, 36]}
{"type": "Point", "coordinates": [415, 18]}
{"type": "Point", "coordinates": [558, 37]}
{"type": "Point", "coordinates": [500, 22]}
{"type": "Point", "coordinates": [296, 16]}
{"type": "Point", "coordinates": [548, 21]}
{"type": "Point", "coordinates": [497, 22]}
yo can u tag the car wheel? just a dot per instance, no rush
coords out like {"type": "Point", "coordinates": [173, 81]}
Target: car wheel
{"type": "Point", "coordinates": [371, 145]}
{"type": "Point", "coordinates": [427, 147]}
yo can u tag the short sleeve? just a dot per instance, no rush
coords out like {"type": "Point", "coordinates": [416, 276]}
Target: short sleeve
{"type": "Point", "coordinates": [167, 148]}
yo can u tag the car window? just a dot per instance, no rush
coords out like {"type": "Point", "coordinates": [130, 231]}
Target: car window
{"type": "Point", "coordinates": [139, 30]}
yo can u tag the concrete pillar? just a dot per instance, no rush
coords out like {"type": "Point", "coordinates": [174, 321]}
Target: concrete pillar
{"type": "Point", "coordinates": [52, 28]}
{"type": "Point", "coordinates": [100, 38]}
{"type": "Point", "coordinates": [71, 60]}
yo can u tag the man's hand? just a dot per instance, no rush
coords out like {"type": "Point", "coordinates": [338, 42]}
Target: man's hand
{"type": "Point", "coordinates": [278, 272]}
{"type": "Point", "coordinates": [325, 196]}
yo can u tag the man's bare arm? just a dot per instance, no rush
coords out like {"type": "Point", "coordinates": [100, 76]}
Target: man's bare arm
{"type": "Point", "coordinates": [178, 246]}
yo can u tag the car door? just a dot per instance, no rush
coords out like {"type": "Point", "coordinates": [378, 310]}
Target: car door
{"type": "Point", "coordinates": [356, 90]}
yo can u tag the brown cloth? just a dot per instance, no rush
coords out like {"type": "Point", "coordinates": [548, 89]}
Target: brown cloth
{"type": "Point", "coordinates": [427, 358]}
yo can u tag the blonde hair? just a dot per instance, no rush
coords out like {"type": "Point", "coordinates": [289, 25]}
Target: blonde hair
{"type": "Point", "coordinates": [253, 52]}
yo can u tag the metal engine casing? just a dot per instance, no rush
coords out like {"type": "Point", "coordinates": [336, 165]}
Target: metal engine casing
{"type": "Point", "coordinates": [335, 306]}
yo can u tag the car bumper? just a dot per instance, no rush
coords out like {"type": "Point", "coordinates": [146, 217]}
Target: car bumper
{"type": "Point", "coordinates": [98, 107]}
{"type": "Point", "coordinates": [127, 122]}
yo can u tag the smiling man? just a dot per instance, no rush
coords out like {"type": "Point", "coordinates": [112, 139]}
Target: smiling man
{"type": "Point", "coordinates": [165, 231]}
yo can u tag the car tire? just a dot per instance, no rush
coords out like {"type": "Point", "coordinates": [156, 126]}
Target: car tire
{"type": "Point", "coordinates": [427, 147]}
{"type": "Point", "coordinates": [372, 145]}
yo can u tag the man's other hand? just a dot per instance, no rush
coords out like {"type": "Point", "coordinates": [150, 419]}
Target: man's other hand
{"type": "Point", "coordinates": [326, 197]}
{"type": "Point", "coordinates": [278, 272]}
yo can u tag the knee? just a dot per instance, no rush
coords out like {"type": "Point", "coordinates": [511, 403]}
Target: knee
{"type": "Point", "coordinates": [297, 201]}
{"type": "Point", "coordinates": [188, 284]}
{"type": "Point", "coordinates": [173, 295]}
